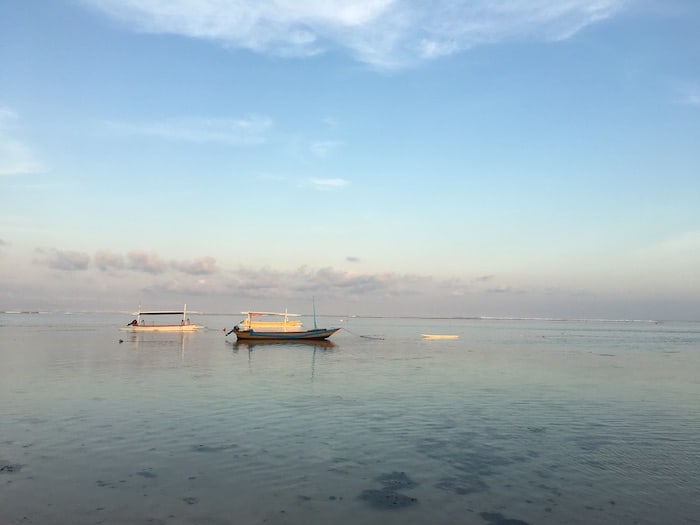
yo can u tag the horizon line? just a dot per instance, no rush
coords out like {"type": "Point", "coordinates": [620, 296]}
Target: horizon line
{"type": "Point", "coordinates": [367, 316]}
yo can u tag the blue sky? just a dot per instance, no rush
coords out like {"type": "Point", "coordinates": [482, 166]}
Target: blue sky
{"type": "Point", "coordinates": [466, 158]}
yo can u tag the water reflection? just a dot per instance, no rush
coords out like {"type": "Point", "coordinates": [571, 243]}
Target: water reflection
{"type": "Point", "coordinates": [260, 345]}
{"type": "Point", "coordinates": [251, 345]}
{"type": "Point", "coordinates": [522, 422]}
{"type": "Point", "coordinates": [159, 340]}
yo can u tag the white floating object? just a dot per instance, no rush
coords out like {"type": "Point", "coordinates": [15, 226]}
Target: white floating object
{"type": "Point", "coordinates": [439, 336]}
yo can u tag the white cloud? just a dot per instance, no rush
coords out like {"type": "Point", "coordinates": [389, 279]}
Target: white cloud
{"type": "Point", "coordinates": [232, 131]}
{"type": "Point", "coordinates": [328, 184]}
{"type": "Point", "coordinates": [383, 33]}
{"type": "Point", "coordinates": [286, 27]}
{"type": "Point", "coordinates": [324, 148]}
{"type": "Point", "coordinates": [16, 158]}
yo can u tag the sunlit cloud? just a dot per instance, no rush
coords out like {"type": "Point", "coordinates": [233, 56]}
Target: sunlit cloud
{"type": "Point", "coordinates": [328, 184]}
{"type": "Point", "coordinates": [65, 260]}
{"type": "Point", "coordinates": [16, 158]}
{"type": "Point", "coordinates": [231, 131]}
{"type": "Point", "coordinates": [382, 33]}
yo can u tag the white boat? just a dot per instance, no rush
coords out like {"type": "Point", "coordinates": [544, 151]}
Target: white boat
{"type": "Point", "coordinates": [439, 336]}
{"type": "Point", "coordinates": [140, 324]}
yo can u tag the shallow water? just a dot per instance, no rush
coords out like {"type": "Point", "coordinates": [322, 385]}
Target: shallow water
{"type": "Point", "coordinates": [539, 422]}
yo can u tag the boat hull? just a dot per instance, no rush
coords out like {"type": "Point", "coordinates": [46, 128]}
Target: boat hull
{"type": "Point", "coordinates": [318, 334]}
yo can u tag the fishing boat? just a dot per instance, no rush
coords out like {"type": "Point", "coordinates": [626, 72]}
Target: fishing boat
{"type": "Point", "coordinates": [280, 329]}
{"type": "Point", "coordinates": [140, 324]}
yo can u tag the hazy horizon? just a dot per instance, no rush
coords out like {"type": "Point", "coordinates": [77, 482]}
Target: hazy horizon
{"type": "Point", "coordinates": [350, 316]}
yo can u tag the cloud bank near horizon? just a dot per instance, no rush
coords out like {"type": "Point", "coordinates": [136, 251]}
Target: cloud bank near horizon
{"type": "Point", "coordinates": [386, 34]}
{"type": "Point", "coordinates": [109, 280]}
{"type": "Point", "coordinates": [155, 274]}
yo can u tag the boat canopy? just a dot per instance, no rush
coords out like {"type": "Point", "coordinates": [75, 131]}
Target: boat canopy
{"type": "Point", "coordinates": [282, 314]}
{"type": "Point", "coordinates": [172, 312]}
{"type": "Point", "coordinates": [182, 312]}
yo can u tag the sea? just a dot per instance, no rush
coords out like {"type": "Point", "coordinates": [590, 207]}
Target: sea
{"type": "Point", "coordinates": [514, 422]}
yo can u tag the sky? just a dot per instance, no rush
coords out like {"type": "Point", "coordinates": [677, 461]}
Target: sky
{"type": "Point", "coordinates": [381, 157]}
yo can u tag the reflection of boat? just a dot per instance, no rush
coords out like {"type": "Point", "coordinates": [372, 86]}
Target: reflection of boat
{"type": "Point", "coordinates": [439, 336]}
{"type": "Point", "coordinates": [140, 325]}
{"type": "Point", "coordinates": [252, 343]}
{"type": "Point", "coordinates": [280, 330]}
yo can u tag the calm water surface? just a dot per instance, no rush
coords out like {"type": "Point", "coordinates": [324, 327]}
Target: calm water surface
{"type": "Point", "coordinates": [529, 421]}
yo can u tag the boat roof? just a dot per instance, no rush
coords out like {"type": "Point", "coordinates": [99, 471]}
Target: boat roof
{"type": "Point", "coordinates": [283, 314]}
{"type": "Point", "coordinates": [161, 312]}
